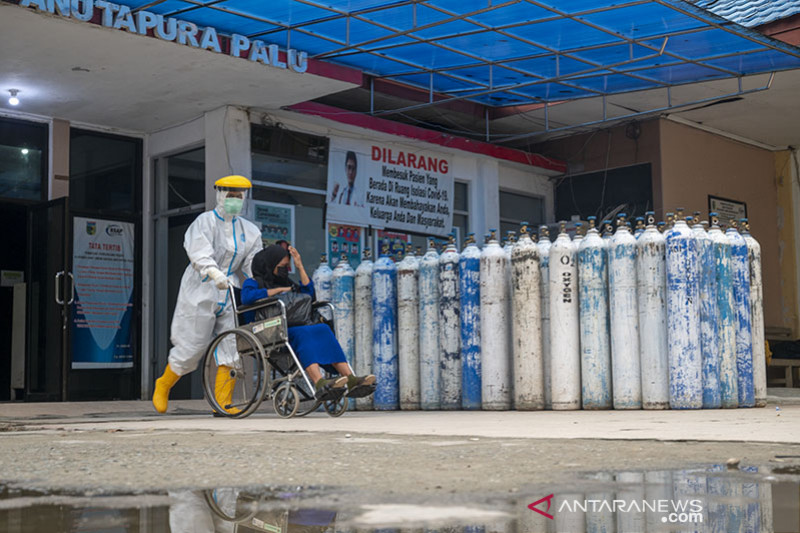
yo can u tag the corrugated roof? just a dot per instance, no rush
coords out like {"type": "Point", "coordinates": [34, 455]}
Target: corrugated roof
{"type": "Point", "coordinates": [502, 53]}
{"type": "Point", "coordinates": [751, 13]}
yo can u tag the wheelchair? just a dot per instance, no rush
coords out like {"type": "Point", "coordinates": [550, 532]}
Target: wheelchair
{"type": "Point", "coordinates": [267, 367]}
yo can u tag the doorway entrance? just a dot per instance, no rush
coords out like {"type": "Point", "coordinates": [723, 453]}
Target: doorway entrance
{"type": "Point", "coordinates": [84, 263]}
{"type": "Point", "coordinates": [179, 197]}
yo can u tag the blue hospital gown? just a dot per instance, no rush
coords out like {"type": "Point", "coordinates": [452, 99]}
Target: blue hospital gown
{"type": "Point", "coordinates": [312, 344]}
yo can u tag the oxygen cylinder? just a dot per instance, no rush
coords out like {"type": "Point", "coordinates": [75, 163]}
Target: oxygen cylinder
{"type": "Point", "coordinates": [507, 247]}
{"type": "Point", "coordinates": [449, 327]}
{"type": "Point", "coordinates": [651, 279]}
{"type": "Point", "coordinates": [469, 275]}
{"type": "Point", "coordinates": [343, 289]}
{"type": "Point", "coordinates": [526, 326]}
{"type": "Point", "coordinates": [683, 318]}
{"type": "Point", "coordinates": [640, 227]}
{"type": "Point", "coordinates": [756, 317]}
{"type": "Point", "coordinates": [565, 372]}
{"type": "Point", "coordinates": [363, 332]}
{"type": "Point", "coordinates": [429, 357]}
{"type": "Point", "coordinates": [709, 317]}
{"type": "Point", "coordinates": [384, 332]}
{"type": "Point", "coordinates": [623, 310]}
{"type": "Point", "coordinates": [544, 269]}
{"type": "Point", "coordinates": [408, 326]}
{"type": "Point", "coordinates": [322, 284]}
{"type": "Point", "coordinates": [576, 241]}
{"type": "Point", "coordinates": [495, 359]}
{"type": "Point", "coordinates": [740, 267]}
{"type": "Point", "coordinates": [593, 304]}
{"type": "Point", "coordinates": [726, 330]}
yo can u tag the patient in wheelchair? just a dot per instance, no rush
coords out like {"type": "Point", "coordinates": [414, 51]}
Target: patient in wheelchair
{"type": "Point", "coordinates": [314, 343]}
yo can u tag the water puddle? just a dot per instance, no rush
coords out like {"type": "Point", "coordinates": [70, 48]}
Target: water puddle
{"type": "Point", "coordinates": [716, 498]}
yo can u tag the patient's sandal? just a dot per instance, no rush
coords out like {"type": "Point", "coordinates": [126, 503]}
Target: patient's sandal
{"type": "Point", "coordinates": [330, 389]}
{"type": "Point", "coordinates": [358, 387]}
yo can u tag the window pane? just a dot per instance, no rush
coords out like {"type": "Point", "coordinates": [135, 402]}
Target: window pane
{"type": "Point", "coordinates": [104, 172]}
{"type": "Point", "coordinates": [23, 159]}
{"type": "Point", "coordinates": [460, 199]}
{"type": "Point", "coordinates": [270, 140]}
{"type": "Point", "coordinates": [186, 179]}
{"type": "Point", "coordinates": [286, 171]}
{"type": "Point", "coordinates": [460, 223]}
{"type": "Point", "coordinates": [309, 234]}
{"type": "Point", "coordinates": [518, 208]}
{"type": "Point", "coordinates": [20, 172]}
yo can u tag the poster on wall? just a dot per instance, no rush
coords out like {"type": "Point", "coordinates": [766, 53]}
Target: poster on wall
{"type": "Point", "coordinates": [395, 243]}
{"type": "Point", "coordinates": [102, 310]}
{"type": "Point", "coordinates": [275, 220]}
{"type": "Point", "coordinates": [727, 209]}
{"type": "Point", "coordinates": [389, 186]}
{"type": "Point", "coordinates": [344, 239]}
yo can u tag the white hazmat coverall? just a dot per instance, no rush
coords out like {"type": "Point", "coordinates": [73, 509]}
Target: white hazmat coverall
{"type": "Point", "coordinates": [215, 242]}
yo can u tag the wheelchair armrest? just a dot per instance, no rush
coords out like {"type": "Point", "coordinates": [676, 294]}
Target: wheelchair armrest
{"type": "Point", "coordinates": [318, 304]}
{"type": "Point", "coordinates": [259, 304]}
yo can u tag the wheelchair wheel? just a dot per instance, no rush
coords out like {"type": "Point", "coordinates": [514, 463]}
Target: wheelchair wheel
{"type": "Point", "coordinates": [286, 400]}
{"type": "Point", "coordinates": [232, 506]}
{"type": "Point", "coordinates": [246, 377]}
{"type": "Point", "coordinates": [336, 407]}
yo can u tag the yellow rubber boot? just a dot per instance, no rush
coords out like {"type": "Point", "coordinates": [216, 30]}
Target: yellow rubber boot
{"type": "Point", "coordinates": [163, 386]}
{"type": "Point", "coordinates": [223, 388]}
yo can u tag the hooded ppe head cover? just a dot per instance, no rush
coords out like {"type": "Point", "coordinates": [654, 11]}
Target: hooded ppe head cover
{"type": "Point", "coordinates": [264, 264]}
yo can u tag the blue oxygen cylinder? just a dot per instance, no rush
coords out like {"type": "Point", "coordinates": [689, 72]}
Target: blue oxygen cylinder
{"type": "Point", "coordinates": [565, 372]}
{"type": "Point", "coordinates": [495, 325]}
{"type": "Point", "coordinates": [526, 326]}
{"type": "Point", "coordinates": [384, 332]}
{"type": "Point", "coordinates": [709, 316]}
{"type": "Point", "coordinates": [450, 327]}
{"type": "Point", "coordinates": [683, 317]}
{"type": "Point", "coordinates": [469, 275]}
{"type": "Point", "coordinates": [322, 284]}
{"type": "Point", "coordinates": [756, 316]}
{"type": "Point", "coordinates": [408, 326]}
{"type": "Point", "coordinates": [726, 329]}
{"type": "Point", "coordinates": [343, 289]}
{"type": "Point", "coordinates": [543, 246]}
{"type": "Point", "coordinates": [593, 302]}
{"type": "Point", "coordinates": [623, 310]}
{"type": "Point", "coordinates": [429, 357]}
{"type": "Point", "coordinates": [740, 266]}
{"type": "Point", "coordinates": [363, 313]}
{"type": "Point", "coordinates": [651, 284]}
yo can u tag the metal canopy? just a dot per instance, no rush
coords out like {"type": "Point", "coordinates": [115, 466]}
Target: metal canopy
{"type": "Point", "coordinates": [504, 53]}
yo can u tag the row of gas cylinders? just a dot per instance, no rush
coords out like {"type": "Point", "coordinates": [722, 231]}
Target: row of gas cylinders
{"type": "Point", "coordinates": [668, 316]}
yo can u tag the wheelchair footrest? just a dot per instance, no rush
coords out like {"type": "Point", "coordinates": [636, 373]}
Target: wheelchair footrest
{"type": "Point", "coordinates": [361, 391]}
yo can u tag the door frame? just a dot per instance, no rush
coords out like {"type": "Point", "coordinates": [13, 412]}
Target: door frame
{"type": "Point", "coordinates": [158, 268]}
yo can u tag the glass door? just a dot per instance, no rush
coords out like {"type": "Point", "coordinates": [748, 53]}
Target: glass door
{"type": "Point", "coordinates": [50, 294]}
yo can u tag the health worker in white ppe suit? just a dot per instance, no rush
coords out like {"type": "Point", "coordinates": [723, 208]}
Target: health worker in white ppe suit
{"type": "Point", "coordinates": [220, 245]}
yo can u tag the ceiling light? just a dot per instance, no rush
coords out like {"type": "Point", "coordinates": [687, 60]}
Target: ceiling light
{"type": "Point", "coordinates": [13, 100]}
{"type": "Point", "coordinates": [24, 151]}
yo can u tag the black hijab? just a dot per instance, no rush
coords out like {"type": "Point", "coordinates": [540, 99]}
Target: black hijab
{"type": "Point", "coordinates": [264, 264]}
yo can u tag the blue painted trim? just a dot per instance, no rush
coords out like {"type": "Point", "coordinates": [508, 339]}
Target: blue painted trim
{"type": "Point", "coordinates": [217, 214]}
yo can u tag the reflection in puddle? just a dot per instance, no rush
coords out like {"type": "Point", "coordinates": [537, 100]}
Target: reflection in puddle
{"type": "Point", "coordinates": [712, 499]}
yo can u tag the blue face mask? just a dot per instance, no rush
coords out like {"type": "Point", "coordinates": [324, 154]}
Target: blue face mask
{"type": "Point", "coordinates": [233, 206]}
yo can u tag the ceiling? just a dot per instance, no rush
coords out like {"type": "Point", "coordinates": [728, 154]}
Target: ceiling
{"type": "Point", "coordinates": [87, 73]}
